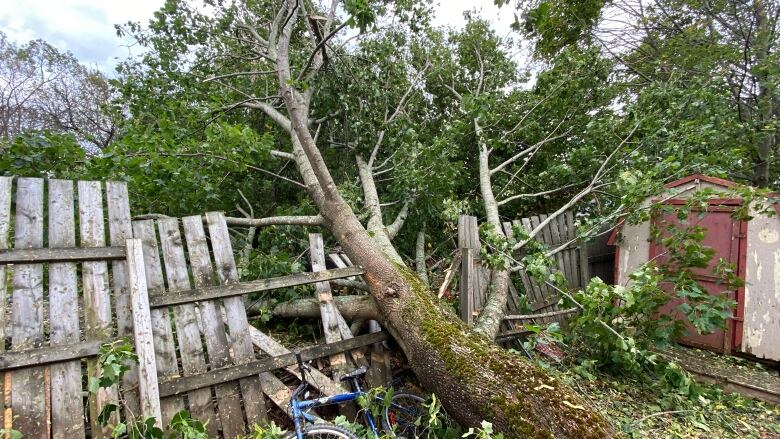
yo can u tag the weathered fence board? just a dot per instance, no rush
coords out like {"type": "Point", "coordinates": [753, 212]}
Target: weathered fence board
{"type": "Point", "coordinates": [5, 225]}
{"type": "Point", "coordinates": [44, 255]}
{"type": "Point", "coordinates": [329, 314]}
{"type": "Point", "coordinates": [237, 323]}
{"type": "Point", "coordinates": [66, 402]}
{"type": "Point", "coordinates": [256, 286]}
{"type": "Point", "coordinates": [28, 399]}
{"type": "Point", "coordinates": [188, 383]}
{"type": "Point", "coordinates": [149, 394]}
{"type": "Point", "coordinates": [213, 327]}
{"type": "Point", "coordinates": [120, 230]}
{"type": "Point", "coordinates": [97, 302]}
{"type": "Point", "coordinates": [164, 347]}
{"type": "Point", "coordinates": [185, 318]}
{"type": "Point", "coordinates": [319, 380]}
{"type": "Point", "coordinates": [50, 354]}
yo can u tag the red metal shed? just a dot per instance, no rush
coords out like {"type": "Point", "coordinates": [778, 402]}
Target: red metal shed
{"type": "Point", "coordinates": [753, 247]}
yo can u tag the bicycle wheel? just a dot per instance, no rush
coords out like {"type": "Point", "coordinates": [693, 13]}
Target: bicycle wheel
{"type": "Point", "coordinates": [324, 431]}
{"type": "Point", "coordinates": [403, 418]}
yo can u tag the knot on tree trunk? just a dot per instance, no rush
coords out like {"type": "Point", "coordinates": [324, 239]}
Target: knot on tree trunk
{"type": "Point", "coordinates": [393, 290]}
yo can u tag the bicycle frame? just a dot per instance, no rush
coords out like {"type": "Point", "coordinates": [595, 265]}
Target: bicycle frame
{"type": "Point", "coordinates": [299, 414]}
{"type": "Point", "coordinates": [298, 407]}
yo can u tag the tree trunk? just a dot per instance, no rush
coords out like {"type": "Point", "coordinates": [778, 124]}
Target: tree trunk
{"type": "Point", "coordinates": [474, 378]}
{"type": "Point", "coordinates": [766, 98]}
{"type": "Point", "coordinates": [489, 320]}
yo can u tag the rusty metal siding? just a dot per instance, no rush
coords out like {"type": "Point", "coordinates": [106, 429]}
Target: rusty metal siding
{"type": "Point", "coordinates": [761, 333]}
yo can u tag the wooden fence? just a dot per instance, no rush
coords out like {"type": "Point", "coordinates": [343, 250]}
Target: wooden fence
{"type": "Point", "coordinates": [171, 285]}
{"type": "Point", "coordinates": [570, 259]}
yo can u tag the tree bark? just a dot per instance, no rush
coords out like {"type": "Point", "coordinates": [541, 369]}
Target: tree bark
{"type": "Point", "coordinates": [474, 378]}
{"type": "Point", "coordinates": [350, 307]}
{"type": "Point", "coordinates": [489, 320]}
{"type": "Point", "coordinates": [766, 97]}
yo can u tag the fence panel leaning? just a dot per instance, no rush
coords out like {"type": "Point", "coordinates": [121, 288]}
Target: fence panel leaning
{"type": "Point", "coordinates": [56, 320]}
{"type": "Point", "coordinates": [559, 236]}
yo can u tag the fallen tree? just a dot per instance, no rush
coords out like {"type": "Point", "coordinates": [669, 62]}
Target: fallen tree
{"type": "Point", "coordinates": [475, 379]}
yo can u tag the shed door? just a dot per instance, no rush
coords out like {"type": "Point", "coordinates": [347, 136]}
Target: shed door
{"type": "Point", "coordinates": [724, 235]}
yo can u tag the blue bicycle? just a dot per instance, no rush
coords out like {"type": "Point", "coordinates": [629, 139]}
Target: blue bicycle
{"type": "Point", "coordinates": [400, 418]}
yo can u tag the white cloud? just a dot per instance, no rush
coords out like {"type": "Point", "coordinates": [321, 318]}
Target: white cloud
{"type": "Point", "coordinates": [86, 28]}
{"type": "Point", "coordinates": [83, 27]}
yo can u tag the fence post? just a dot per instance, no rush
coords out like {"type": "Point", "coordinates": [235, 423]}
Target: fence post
{"type": "Point", "coordinates": [467, 273]}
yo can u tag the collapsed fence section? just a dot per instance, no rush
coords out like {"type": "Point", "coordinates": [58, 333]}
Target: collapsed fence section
{"type": "Point", "coordinates": [84, 274]}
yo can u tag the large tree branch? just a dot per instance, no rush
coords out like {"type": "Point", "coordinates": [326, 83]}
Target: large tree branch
{"type": "Point", "coordinates": [525, 152]}
{"type": "Point", "coordinates": [398, 223]}
{"type": "Point", "coordinates": [314, 220]}
{"type": "Point", "coordinates": [588, 189]}
{"type": "Point", "coordinates": [537, 194]}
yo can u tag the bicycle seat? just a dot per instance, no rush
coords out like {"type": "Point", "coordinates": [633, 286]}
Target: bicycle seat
{"type": "Point", "coordinates": [355, 373]}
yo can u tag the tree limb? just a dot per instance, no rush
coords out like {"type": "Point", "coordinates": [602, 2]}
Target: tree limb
{"type": "Point", "coordinates": [315, 220]}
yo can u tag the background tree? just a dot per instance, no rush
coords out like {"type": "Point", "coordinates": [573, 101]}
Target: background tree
{"type": "Point", "coordinates": [713, 62]}
{"type": "Point", "coordinates": [43, 89]}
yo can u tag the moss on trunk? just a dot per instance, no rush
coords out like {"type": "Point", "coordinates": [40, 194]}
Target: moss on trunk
{"type": "Point", "coordinates": [519, 398]}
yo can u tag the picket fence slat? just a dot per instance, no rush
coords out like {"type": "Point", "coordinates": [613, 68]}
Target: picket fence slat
{"type": "Point", "coordinates": [66, 402]}
{"type": "Point", "coordinates": [5, 226]}
{"type": "Point", "coordinates": [185, 318]}
{"type": "Point", "coordinates": [212, 326]}
{"type": "Point", "coordinates": [97, 302]}
{"type": "Point", "coordinates": [120, 230]}
{"type": "Point", "coordinates": [28, 398]}
{"type": "Point", "coordinates": [164, 347]}
{"type": "Point", "coordinates": [149, 393]}
{"type": "Point", "coordinates": [241, 343]}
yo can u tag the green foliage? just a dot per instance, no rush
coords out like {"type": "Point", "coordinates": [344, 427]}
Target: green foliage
{"type": "Point", "coordinates": [267, 431]}
{"type": "Point", "coordinates": [43, 154]}
{"type": "Point", "coordinates": [485, 431]}
{"type": "Point", "coordinates": [10, 433]}
{"type": "Point", "coordinates": [182, 425]}
{"type": "Point", "coordinates": [555, 24]}
{"type": "Point", "coordinates": [114, 359]}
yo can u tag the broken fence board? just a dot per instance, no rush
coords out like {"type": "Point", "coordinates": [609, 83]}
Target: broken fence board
{"type": "Point", "coordinates": [329, 314]}
{"type": "Point", "coordinates": [72, 254]}
{"type": "Point", "coordinates": [67, 408]}
{"type": "Point", "coordinates": [120, 230]}
{"type": "Point", "coordinates": [243, 288]}
{"type": "Point", "coordinates": [212, 327]}
{"type": "Point", "coordinates": [188, 383]}
{"type": "Point", "coordinates": [467, 285]}
{"type": "Point", "coordinates": [185, 319]}
{"type": "Point", "coordinates": [319, 380]}
{"type": "Point", "coordinates": [28, 398]}
{"type": "Point", "coordinates": [164, 348]}
{"type": "Point", "coordinates": [149, 394]}
{"type": "Point", "coordinates": [237, 323]}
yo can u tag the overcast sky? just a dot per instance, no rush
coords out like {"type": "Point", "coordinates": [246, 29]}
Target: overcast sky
{"type": "Point", "coordinates": [86, 27]}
